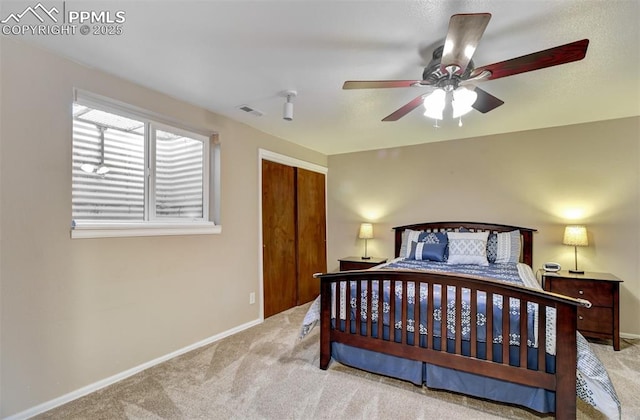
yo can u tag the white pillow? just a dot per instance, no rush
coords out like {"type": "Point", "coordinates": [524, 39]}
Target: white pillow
{"type": "Point", "coordinates": [468, 248]}
{"type": "Point", "coordinates": [408, 236]}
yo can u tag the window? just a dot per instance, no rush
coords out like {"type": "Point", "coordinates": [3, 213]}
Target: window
{"type": "Point", "coordinates": [137, 174]}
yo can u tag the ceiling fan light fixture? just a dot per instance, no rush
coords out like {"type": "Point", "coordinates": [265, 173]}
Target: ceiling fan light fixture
{"type": "Point", "coordinates": [434, 104]}
{"type": "Point", "coordinates": [463, 100]}
{"type": "Point", "coordinates": [434, 113]}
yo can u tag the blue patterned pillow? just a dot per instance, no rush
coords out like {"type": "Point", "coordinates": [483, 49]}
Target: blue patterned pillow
{"type": "Point", "coordinates": [409, 236]}
{"type": "Point", "coordinates": [427, 251]}
{"type": "Point", "coordinates": [468, 248]}
{"type": "Point", "coordinates": [508, 247]}
{"type": "Point", "coordinates": [433, 237]}
{"type": "Point", "coordinates": [492, 247]}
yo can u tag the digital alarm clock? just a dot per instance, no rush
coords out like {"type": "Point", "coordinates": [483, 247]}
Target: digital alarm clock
{"type": "Point", "coordinates": [551, 266]}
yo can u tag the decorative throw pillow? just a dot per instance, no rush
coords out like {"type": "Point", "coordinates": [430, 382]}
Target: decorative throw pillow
{"type": "Point", "coordinates": [433, 237]}
{"type": "Point", "coordinates": [427, 251]}
{"type": "Point", "coordinates": [492, 247]}
{"type": "Point", "coordinates": [508, 247]}
{"type": "Point", "coordinates": [408, 236]}
{"type": "Point", "coordinates": [468, 248]}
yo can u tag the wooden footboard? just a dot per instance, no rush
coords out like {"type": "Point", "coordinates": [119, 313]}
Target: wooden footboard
{"type": "Point", "coordinates": [432, 346]}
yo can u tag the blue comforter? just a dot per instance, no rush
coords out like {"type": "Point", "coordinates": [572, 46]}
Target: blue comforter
{"type": "Point", "coordinates": [504, 272]}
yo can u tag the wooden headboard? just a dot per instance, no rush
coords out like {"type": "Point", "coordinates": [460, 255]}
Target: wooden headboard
{"type": "Point", "coordinates": [526, 233]}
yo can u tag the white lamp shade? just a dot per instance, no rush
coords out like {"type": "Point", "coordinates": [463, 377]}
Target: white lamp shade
{"type": "Point", "coordinates": [366, 231]}
{"type": "Point", "coordinates": [434, 104]}
{"type": "Point", "coordinates": [463, 99]}
{"type": "Point", "coordinates": [575, 236]}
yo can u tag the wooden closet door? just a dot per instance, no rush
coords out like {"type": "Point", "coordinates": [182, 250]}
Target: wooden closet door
{"type": "Point", "coordinates": [279, 237]}
{"type": "Point", "coordinates": [312, 248]}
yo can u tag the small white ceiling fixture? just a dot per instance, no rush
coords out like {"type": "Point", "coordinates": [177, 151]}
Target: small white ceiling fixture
{"type": "Point", "coordinates": [287, 113]}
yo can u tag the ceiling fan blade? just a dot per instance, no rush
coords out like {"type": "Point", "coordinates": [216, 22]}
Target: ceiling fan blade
{"type": "Point", "coordinates": [485, 102]}
{"type": "Point", "coordinates": [562, 54]}
{"type": "Point", "coordinates": [395, 116]}
{"type": "Point", "coordinates": [475, 79]}
{"type": "Point", "coordinates": [465, 31]}
{"type": "Point", "coordinates": [376, 84]}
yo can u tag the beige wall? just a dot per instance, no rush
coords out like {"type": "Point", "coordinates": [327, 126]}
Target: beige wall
{"type": "Point", "coordinates": [542, 179]}
{"type": "Point", "coordinates": [78, 311]}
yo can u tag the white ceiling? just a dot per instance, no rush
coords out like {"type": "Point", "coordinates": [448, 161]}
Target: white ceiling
{"type": "Point", "coordinates": [222, 54]}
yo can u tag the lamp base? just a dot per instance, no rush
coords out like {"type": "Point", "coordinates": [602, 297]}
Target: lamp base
{"type": "Point", "coordinates": [576, 271]}
{"type": "Point", "coordinates": [366, 258]}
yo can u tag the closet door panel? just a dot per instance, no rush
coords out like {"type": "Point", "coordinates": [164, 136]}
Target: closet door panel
{"type": "Point", "coordinates": [312, 250]}
{"type": "Point", "coordinates": [279, 237]}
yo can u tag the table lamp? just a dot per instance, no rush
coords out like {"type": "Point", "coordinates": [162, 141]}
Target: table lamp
{"type": "Point", "coordinates": [366, 232]}
{"type": "Point", "coordinates": [575, 236]}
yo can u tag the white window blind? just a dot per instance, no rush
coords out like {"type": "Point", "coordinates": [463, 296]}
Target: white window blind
{"type": "Point", "coordinates": [179, 176]}
{"type": "Point", "coordinates": [132, 172]}
{"type": "Point", "coordinates": [118, 194]}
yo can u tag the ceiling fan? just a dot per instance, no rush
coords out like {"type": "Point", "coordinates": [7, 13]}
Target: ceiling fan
{"type": "Point", "coordinates": [452, 70]}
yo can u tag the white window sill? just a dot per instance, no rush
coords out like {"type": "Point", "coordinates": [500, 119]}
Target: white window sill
{"type": "Point", "coordinates": [87, 229]}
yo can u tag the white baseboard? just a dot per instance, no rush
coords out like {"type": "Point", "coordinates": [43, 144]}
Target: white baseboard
{"type": "Point", "coordinates": [631, 336]}
{"type": "Point", "coordinates": [41, 408]}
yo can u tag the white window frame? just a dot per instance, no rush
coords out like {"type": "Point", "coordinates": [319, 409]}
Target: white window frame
{"type": "Point", "coordinates": [153, 226]}
{"type": "Point", "coordinates": [151, 165]}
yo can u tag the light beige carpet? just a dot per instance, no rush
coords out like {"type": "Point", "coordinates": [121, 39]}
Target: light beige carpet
{"type": "Point", "coordinates": [266, 373]}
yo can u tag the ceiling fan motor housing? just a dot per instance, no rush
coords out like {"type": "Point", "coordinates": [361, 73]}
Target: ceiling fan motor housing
{"type": "Point", "coordinates": [436, 77]}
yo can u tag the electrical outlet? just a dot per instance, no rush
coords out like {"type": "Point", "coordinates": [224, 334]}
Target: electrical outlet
{"type": "Point", "coordinates": [252, 298]}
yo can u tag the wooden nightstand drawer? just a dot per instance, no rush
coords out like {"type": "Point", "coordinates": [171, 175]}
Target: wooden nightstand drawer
{"type": "Point", "coordinates": [350, 265]}
{"type": "Point", "coordinates": [357, 263]}
{"type": "Point", "coordinates": [598, 293]}
{"type": "Point", "coordinates": [595, 319]}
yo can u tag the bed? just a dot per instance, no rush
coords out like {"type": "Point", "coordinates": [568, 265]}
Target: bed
{"type": "Point", "coordinates": [436, 314]}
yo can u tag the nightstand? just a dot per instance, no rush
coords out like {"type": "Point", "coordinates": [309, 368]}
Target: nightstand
{"type": "Point", "coordinates": [357, 263]}
{"type": "Point", "coordinates": [602, 319]}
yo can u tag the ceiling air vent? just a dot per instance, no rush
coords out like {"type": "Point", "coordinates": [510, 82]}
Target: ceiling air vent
{"type": "Point", "coordinates": [252, 111]}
